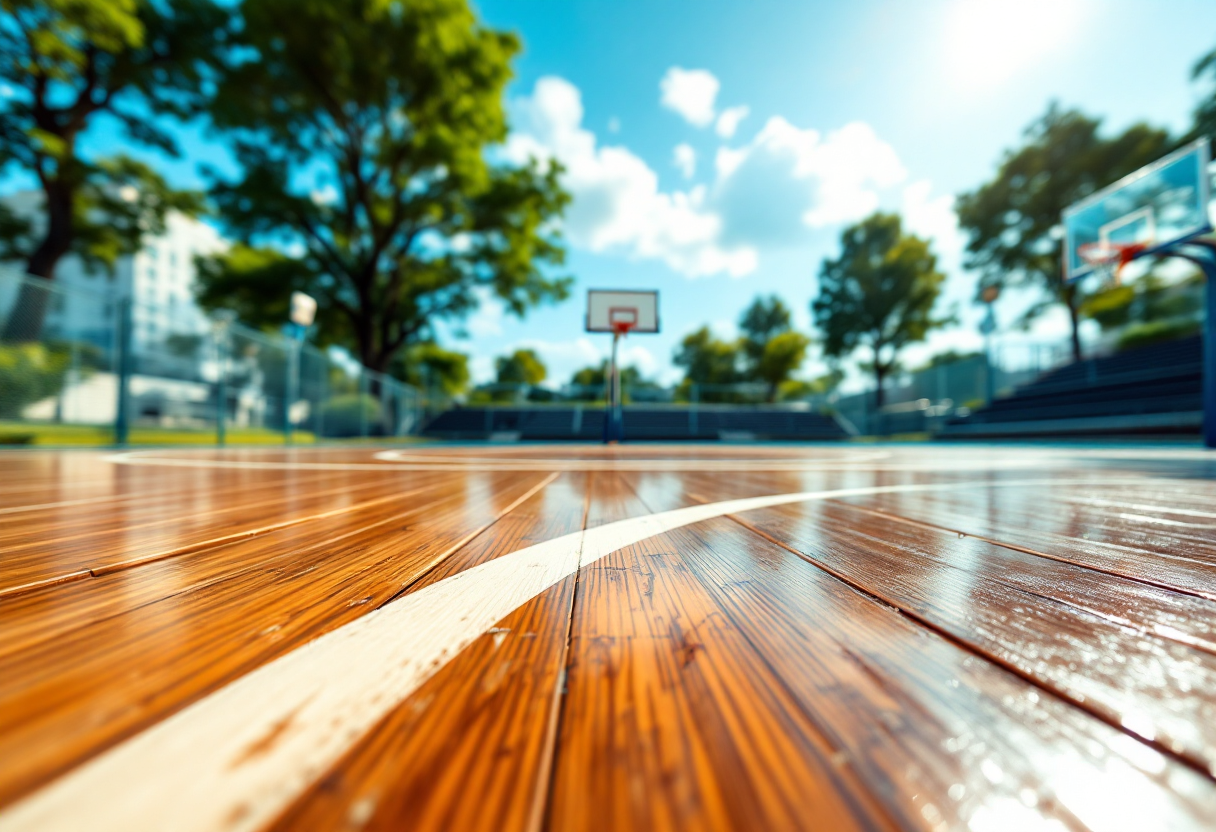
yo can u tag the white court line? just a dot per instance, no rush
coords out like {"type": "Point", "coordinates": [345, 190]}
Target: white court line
{"type": "Point", "coordinates": [237, 758]}
{"type": "Point", "coordinates": [941, 463]}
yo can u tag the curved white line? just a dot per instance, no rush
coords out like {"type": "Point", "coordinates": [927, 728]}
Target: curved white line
{"type": "Point", "coordinates": [236, 758]}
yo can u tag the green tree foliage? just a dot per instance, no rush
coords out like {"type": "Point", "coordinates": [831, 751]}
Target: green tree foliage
{"type": "Point", "coordinates": [771, 350]}
{"type": "Point", "coordinates": [1205, 113]}
{"type": "Point", "coordinates": [1147, 300]}
{"type": "Point", "coordinates": [520, 367]}
{"type": "Point", "coordinates": [592, 382]}
{"type": "Point", "coordinates": [878, 294]}
{"type": "Point", "coordinates": [782, 356]}
{"type": "Point", "coordinates": [760, 323]}
{"type": "Point", "coordinates": [67, 63]}
{"type": "Point", "coordinates": [427, 366]}
{"type": "Point", "coordinates": [29, 372]}
{"type": "Point", "coordinates": [946, 358]}
{"type": "Point", "coordinates": [707, 359]}
{"type": "Point", "coordinates": [1013, 221]}
{"type": "Point", "coordinates": [362, 129]}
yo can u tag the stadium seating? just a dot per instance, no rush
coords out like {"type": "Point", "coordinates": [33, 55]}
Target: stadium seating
{"type": "Point", "coordinates": [640, 424]}
{"type": "Point", "coordinates": [1151, 390]}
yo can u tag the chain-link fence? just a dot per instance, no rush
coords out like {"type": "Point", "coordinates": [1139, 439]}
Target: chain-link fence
{"type": "Point", "coordinates": [78, 367]}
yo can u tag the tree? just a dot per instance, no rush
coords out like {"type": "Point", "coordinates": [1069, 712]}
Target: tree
{"type": "Point", "coordinates": [520, 367]}
{"type": "Point", "coordinates": [427, 365]}
{"type": "Point", "coordinates": [1013, 221]}
{"type": "Point", "coordinates": [878, 294]}
{"type": "Point", "coordinates": [1205, 113]}
{"type": "Point", "coordinates": [362, 128]}
{"type": "Point", "coordinates": [708, 360]}
{"type": "Point", "coordinates": [783, 355]}
{"type": "Point", "coordinates": [772, 351]}
{"type": "Point", "coordinates": [592, 381]}
{"type": "Point", "coordinates": [67, 63]}
{"type": "Point", "coordinates": [764, 320]}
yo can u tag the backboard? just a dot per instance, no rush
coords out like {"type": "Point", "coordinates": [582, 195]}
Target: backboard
{"type": "Point", "coordinates": [622, 311]}
{"type": "Point", "coordinates": [1159, 205]}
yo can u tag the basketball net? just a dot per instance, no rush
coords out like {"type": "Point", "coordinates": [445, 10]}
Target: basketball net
{"type": "Point", "coordinates": [1109, 258]}
{"type": "Point", "coordinates": [622, 328]}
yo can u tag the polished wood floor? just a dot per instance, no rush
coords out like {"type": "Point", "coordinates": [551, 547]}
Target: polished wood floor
{"type": "Point", "coordinates": [632, 638]}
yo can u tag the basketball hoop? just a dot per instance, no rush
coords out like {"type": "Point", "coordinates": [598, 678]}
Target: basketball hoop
{"type": "Point", "coordinates": [621, 319]}
{"type": "Point", "coordinates": [1109, 258]}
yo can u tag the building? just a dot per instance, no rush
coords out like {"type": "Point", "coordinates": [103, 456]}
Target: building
{"type": "Point", "coordinates": [159, 279]}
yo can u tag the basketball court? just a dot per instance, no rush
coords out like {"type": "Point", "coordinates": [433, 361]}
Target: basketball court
{"type": "Point", "coordinates": [621, 637]}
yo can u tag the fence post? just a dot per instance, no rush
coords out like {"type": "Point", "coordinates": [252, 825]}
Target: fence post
{"type": "Point", "coordinates": [362, 401]}
{"type": "Point", "coordinates": [122, 420]}
{"type": "Point", "coordinates": [693, 396]}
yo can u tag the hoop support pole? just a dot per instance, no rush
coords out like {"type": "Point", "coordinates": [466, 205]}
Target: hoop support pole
{"type": "Point", "coordinates": [1203, 254]}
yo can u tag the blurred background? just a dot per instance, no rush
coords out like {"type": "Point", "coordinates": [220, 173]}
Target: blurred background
{"type": "Point", "coordinates": [851, 212]}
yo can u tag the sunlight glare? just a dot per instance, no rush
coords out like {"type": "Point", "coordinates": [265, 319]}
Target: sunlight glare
{"type": "Point", "coordinates": [988, 42]}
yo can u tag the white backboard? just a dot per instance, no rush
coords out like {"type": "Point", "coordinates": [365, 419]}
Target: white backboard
{"type": "Point", "coordinates": [609, 308]}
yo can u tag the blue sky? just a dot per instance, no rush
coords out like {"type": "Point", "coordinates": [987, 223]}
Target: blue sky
{"type": "Point", "coordinates": [899, 104]}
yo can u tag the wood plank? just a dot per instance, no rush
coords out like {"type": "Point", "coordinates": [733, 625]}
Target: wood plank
{"type": "Point", "coordinates": [485, 721]}
{"type": "Point", "coordinates": [1038, 524]}
{"type": "Point", "coordinates": [63, 702]}
{"type": "Point", "coordinates": [943, 737]}
{"type": "Point", "coordinates": [671, 721]}
{"type": "Point", "coordinates": [51, 612]}
{"type": "Point", "coordinates": [1163, 692]}
{"type": "Point", "coordinates": [167, 531]}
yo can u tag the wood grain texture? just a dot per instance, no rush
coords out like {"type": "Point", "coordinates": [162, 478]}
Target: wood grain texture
{"type": "Point", "coordinates": [671, 721]}
{"type": "Point", "coordinates": [1019, 638]}
{"type": "Point", "coordinates": [486, 718]}
{"type": "Point", "coordinates": [64, 702]}
{"type": "Point", "coordinates": [939, 733]}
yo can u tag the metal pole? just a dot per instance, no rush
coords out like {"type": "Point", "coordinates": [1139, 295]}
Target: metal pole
{"type": "Point", "coordinates": [221, 390]}
{"type": "Point", "coordinates": [989, 375]}
{"type": "Point", "coordinates": [292, 391]}
{"type": "Point", "coordinates": [1203, 254]}
{"type": "Point", "coordinates": [612, 416]}
{"type": "Point", "coordinates": [616, 391]}
{"type": "Point", "coordinates": [122, 421]}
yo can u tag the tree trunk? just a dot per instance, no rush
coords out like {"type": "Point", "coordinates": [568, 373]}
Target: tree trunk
{"type": "Point", "coordinates": [879, 374]}
{"type": "Point", "coordinates": [28, 315]}
{"type": "Point", "coordinates": [1074, 318]}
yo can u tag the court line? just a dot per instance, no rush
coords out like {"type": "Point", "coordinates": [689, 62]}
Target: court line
{"type": "Point", "coordinates": [389, 462]}
{"type": "Point", "coordinates": [236, 758]}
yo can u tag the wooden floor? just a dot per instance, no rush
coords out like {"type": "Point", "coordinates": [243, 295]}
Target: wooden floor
{"type": "Point", "coordinates": [634, 638]}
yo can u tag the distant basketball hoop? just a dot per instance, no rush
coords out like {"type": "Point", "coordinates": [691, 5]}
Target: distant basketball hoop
{"type": "Point", "coordinates": [620, 313]}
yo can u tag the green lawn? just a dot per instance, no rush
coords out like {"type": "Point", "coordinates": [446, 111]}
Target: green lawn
{"type": "Point", "coordinates": [35, 433]}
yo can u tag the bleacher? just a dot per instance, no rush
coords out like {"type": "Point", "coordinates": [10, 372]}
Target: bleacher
{"type": "Point", "coordinates": [640, 424]}
{"type": "Point", "coordinates": [1151, 390]}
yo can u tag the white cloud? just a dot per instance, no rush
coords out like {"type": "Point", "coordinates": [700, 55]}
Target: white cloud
{"type": "Point", "coordinates": [789, 179]}
{"type": "Point", "coordinates": [617, 203]}
{"type": "Point", "coordinates": [487, 320]}
{"type": "Point", "coordinates": [728, 122]}
{"type": "Point", "coordinates": [614, 125]}
{"type": "Point", "coordinates": [325, 195]}
{"type": "Point", "coordinates": [933, 218]}
{"type": "Point", "coordinates": [770, 193]}
{"type": "Point", "coordinates": [691, 93]}
{"type": "Point", "coordinates": [685, 158]}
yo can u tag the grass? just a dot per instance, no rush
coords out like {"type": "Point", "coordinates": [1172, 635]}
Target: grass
{"type": "Point", "coordinates": [36, 433]}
